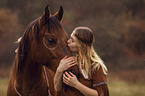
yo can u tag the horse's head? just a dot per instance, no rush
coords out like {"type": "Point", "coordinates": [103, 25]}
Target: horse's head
{"type": "Point", "coordinates": [46, 39]}
{"type": "Point", "coordinates": [52, 39]}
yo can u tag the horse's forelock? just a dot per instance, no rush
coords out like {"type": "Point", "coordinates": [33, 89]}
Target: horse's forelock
{"type": "Point", "coordinates": [54, 25]}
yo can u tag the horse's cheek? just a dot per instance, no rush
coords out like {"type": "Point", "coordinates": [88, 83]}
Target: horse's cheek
{"type": "Point", "coordinates": [38, 55]}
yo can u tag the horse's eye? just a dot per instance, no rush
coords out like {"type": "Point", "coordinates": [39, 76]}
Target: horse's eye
{"type": "Point", "coordinates": [51, 40]}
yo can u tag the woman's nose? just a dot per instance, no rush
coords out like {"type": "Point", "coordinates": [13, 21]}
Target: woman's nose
{"type": "Point", "coordinates": [68, 41]}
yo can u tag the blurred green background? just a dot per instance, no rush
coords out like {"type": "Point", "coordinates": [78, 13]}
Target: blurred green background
{"type": "Point", "coordinates": [118, 26]}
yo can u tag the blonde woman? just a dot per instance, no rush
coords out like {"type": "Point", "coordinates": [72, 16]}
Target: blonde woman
{"type": "Point", "coordinates": [91, 67]}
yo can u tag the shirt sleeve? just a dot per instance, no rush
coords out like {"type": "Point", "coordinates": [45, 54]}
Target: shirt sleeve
{"type": "Point", "coordinates": [100, 82]}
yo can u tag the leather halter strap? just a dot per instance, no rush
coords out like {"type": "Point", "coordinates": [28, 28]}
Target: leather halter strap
{"type": "Point", "coordinates": [65, 50]}
{"type": "Point", "coordinates": [48, 89]}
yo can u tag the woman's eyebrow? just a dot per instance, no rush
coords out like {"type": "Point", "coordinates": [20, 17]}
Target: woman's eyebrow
{"type": "Point", "coordinates": [71, 38]}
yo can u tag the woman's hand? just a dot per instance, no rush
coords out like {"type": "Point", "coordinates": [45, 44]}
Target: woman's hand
{"type": "Point", "coordinates": [66, 63]}
{"type": "Point", "coordinates": [70, 79]}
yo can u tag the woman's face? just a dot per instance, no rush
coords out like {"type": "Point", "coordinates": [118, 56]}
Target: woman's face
{"type": "Point", "coordinates": [72, 44]}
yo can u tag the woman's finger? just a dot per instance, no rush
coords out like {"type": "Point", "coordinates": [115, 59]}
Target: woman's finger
{"type": "Point", "coordinates": [68, 76]}
{"type": "Point", "coordinates": [64, 76]}
{"type": "Point", "coordinates": [71, 74]}
{"type": "Point", "coordinates": [72, 65]}
{"type": "Point", "coordinates": [71, 62]}
{"type": "Point", "coordinates": [64, 80]}
{"type": "Point", "coordinates": [65, 57]}
{"type": "Point", "coordinates": [70, 58]}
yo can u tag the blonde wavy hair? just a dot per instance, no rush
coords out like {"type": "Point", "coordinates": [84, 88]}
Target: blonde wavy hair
{"type": "Point", "coordinates": [86, 53]}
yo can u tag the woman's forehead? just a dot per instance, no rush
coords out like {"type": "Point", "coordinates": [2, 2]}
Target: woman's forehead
{"type": "Point", "coordinates": [72, 37]}
{"type": "Point", "coordinates": [72, 34]}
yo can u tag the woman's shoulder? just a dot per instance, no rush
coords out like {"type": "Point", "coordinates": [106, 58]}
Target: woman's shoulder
{"type": "Point", "coordinates": [98, 74]}
{"type": "Point", "coordinates": [96, 69]}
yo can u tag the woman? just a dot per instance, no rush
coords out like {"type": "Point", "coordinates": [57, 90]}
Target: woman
{"type": "Point", "coordinates": [91, 67]}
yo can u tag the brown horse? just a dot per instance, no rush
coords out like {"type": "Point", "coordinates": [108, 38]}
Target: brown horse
{"type": "Point", "coordinates": [43, 44]}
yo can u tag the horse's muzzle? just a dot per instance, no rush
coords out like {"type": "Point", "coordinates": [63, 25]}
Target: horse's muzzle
{"type": "Point", "coordinates": [66, 49]}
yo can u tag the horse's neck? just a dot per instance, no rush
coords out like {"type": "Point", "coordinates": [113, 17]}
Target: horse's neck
{"type": "Point", "coordinates": [33, 70]}
{"type": "Point", "coordinates": [30, 72]}
{"type": "Point", "coordinates": [53, 65]}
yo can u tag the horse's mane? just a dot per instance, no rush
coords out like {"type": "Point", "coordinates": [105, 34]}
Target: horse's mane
{"type": "Point", "coordinates": [23, 46]}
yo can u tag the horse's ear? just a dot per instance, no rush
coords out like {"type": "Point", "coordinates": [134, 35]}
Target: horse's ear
{"type": "Point", "coordinates": [59, 14]}
{"type": "Point", "coordinates": [46, 15]}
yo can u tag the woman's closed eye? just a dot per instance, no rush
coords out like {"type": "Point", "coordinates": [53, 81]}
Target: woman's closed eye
{"type": "Point", "coordinates": [72, 40]}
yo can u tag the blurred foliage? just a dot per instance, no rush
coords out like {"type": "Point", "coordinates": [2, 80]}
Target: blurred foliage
{"type": "Point", "coordinates": [118, 26]}
{"type": "Point", "coordinates": [3, 86]}
{"type": "Point", "coordinates": [121, 88]}
{"type": "Point", "coordinates": [9, 31]}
